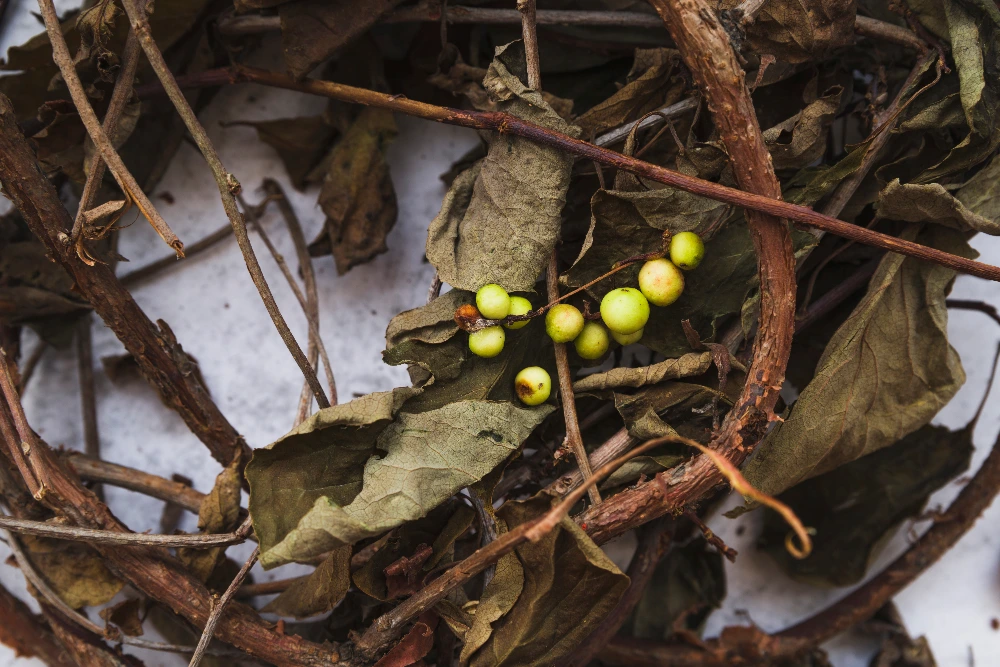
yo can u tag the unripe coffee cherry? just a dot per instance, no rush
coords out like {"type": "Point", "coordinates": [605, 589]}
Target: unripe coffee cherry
{"type": "Point", "coordinates": [533, 385]}
{"type": "Point", "coordinates": [627, 339]}
{"type": "Point", "coordinates": [487, 342]}
{"type": "Point", "coordinates": [686, 250]}
{"type": "Point", "coordinates": [593, 341]}
{"type": "Point", "coordinates": [661, 282]}
{"type": "Point", "coordinates": [493, 301]}
{"type": "Point", "coordinates": [518, 306]}
{"type": "Point", "coordinates": [624, 310]}
{"type": "Point", "coordinates": [563, 322]}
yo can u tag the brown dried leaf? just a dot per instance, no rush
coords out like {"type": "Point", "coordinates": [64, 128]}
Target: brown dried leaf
{"type": "Point", "coordinates": [930, 203]}
{"type": "Point", "coordinates": [125, 616]}
{"type": "Point", "coordinates": [887, 370]}
{"type": "Point", "coordinates": [314, 30]}
{"type": "Point", "coordinates": [219, 513]}
{"type": "Point", "coordinates": [798, 31]}
{"type": "Point", "coordinates": [74, 571]}
{"type": "Point", "coordinates": [500, 219]}
{"type": "Point", "coordinates": [417, 643]}
{"type": "Point", "coordinates": [320, 592]}
{"type": "Point", "coordinates": [688, 365]}
{"type": "Point", "coordinates": [801, 139]}
{"type": "Point", "coordinates": [357, 194]}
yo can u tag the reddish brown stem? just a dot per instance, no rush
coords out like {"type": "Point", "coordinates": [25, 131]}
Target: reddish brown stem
{"type": "Point", "coordinates": [27, 634]}
{"type": "Point", "coordinates": [500, 122]}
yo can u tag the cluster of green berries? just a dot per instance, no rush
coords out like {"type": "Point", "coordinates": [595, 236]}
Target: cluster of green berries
{"type": "Point", "coordinates": [624, 312]}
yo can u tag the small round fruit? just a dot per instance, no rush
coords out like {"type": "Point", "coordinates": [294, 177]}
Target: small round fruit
{"type": "Point", "coordinates": [493, 301]}
{"type": "Point", "coordinates": [563, 322]}
{"type": "Point", "coordinates": [624, 310]}
{"type": "Point", "coordinates": [487, 342]}
{"type": "Point", "coordinates": [661, 282]}
{"type": "Point", "coordinates": [627, 339]}
{"type": "Point", "coordinates": [533, 385]}
{"type": "Point", "coordinates": [686, 250]}
{"type": "Point", "coordinates": [593, 341]}
{"type": "Point", "coordinates": [518, 306]}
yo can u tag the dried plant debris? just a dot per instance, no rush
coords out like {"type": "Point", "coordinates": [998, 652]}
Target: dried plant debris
{"type": "Point", "coordinates": [596, 280]}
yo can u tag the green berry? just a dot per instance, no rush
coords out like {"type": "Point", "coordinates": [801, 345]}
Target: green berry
{"type": "Point", "coordinates": [686, 250]}
{"type": "Point", "coordinates": [533, 385]}
{"type": "Point", "coordinates": [563, 322]}
{"type": "Point", "coordinates": [493, 301]}
{"type": "Point", "coordinates": [624, 310]}
{"type": "Point", "coordinates": [627, 339]}
{"type": "Point", "coordinates": [487, 342]}
{"type": "Point", "coordinates": [518, 306]}
{"type": "Point", "coordinates": [661, 282]}
{"type": "Point", "coordinates": [593, 341]}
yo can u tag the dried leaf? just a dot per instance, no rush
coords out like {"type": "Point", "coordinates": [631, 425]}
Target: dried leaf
{"type": "Point", "coordinates": [500, 220]}
{"type": "Point", "coordinates": [930, 203]}
{"type": "Point", "coordinates": [569, 586]}
{"type": "Point", "coordinates": [357, 194]}
{"type": "Point", "coordinates": [219, 513]}
{"type": "Point", "coordinates": [417, 643]}
{"type": "Point", "coordinates": [96, 25]}
{"type": "Point", "coordinates": [886, 372]}
{"type": "Point", "coordinates": [688, 365]}
{"type": "Point", "coordinates": [314, 30]}
{"type": "Point", "coordinates": [687, 585]}
{"type": "Point", "coordinates": [651, 85]}
{"type": "Point", "coordinates": [428, 457]}
{"type": "Point", "coordinates": [855, 507]}
{"type": "Point", "coordinates": [799, 31]}
{"type": "Point", "coordinates": [973, 28]}
{"type": "Point", "coordinates": [320, 592]}
{"type": "Point", "coordinates": [74, 571]}
{"type": "Point", "coordinates": [981, 193]}
{"type": "Point", "coordinates": [801, 139]}
{"type": "Point", "coordinates": [125, 616]}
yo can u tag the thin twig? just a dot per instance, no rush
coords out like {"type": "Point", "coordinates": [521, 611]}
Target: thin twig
{"type": "Point", "coordinates": [90, 536]}
{"type": "Point", "coordinates": [116, 106]}
{"type": "Point", "coordinates": [128, 184]}
{"type": "Point", "coordinates": [613, 447]}
{"type": "Point", "coordinates": [136, 480]}
{"type": "Point", "coordinates": [88, 398]}
{"type": "Point", "coordinates": [501, 122]}
{"type": "Point", "coordinates": [153, 268]}
{"type": "Point", "coordinates": [28, 367]}
{"type": "Point", "coordinates": [228, 186]}
{"type": "Point", "coordinates": [529, 36]}
{"type": "Point", "coordinates": [649, 120]}
{"type": "Point", "coordinates": [978, 306]}
{"type": "Point", "coordinates": [274, 189]}
{"type": "Point", "coordinates": [219, 607]}
{"type": "Point", "coordinates": [52, 599]}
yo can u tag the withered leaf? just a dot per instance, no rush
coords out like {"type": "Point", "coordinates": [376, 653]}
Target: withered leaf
{"type": "Point", "coordinates": [801, 139]}
{"type": "Point", "coordinates": [688, 365]}
{"type": "Point", "coordinates": [318, 593]}
{"type": "Point", "coordinates": [96, 25]}
{"type": "Point", "coordinates": [687, 585]}
{"type": "Point", "coordinates": [569, 586]}
{"type": "Point", "coordinates": [125, 616]}
{"type": "Point", "coordinates": [428, 457]}
{"type": "Point", "coordinates": [981, 193]}
{"type": "Point", "coordinates": [856, 506]}
{"type": "Point", "coordinates": [434, 534]}
{"type": "Point", "coordinates": [930, 202]}
{"type": "Point", "coordinates": [650, 86]}
{"type": "Point", "coordinates": [357, 194]}
{"type": "Point", "coordinates": [973, 28]}
{"type": "Point", "coordinates": [887, 370]}
{"type": "Point", "coordinates": [219, 513]}
{"type": "Point", "coordinates": [314, 30]}
{"type": "Point", "coordinates": [797, 32]}
{"type": "Point", "coordinates": [74, 571]}
{"type": "Point", "coordinates": [324, 457]}
{"type": "Point", "coordinates": [500, 219]}
{"type": "Point", "coordinates": [417, 643]}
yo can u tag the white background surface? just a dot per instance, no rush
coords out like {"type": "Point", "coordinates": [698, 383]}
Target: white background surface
{"type": "Point", "coordinates": [217, 315]}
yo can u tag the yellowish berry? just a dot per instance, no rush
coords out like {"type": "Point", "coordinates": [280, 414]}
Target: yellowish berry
{"type": "Point", "coordinates": [487, 342]}
{"type": "Point", "coordinates": [661, 282]}
{"type": "Point", "coordinates": [493, 301]}
{"type": "Point", "coordinates": [686, 250]}
{"type": "Point", "coordinates": [593, 341]}
{"type": "Point", "coordinates": [563, 322]}
{"type": "Point", "coordinates": [624, 310]}
{"type": "Point", "coordinates": [518, 306]}
{"type": "Point", "coordinates": [533, 385]}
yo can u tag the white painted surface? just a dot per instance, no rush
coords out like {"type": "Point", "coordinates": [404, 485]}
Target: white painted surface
{"type": "Point", "coordinates": [215, 312]}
